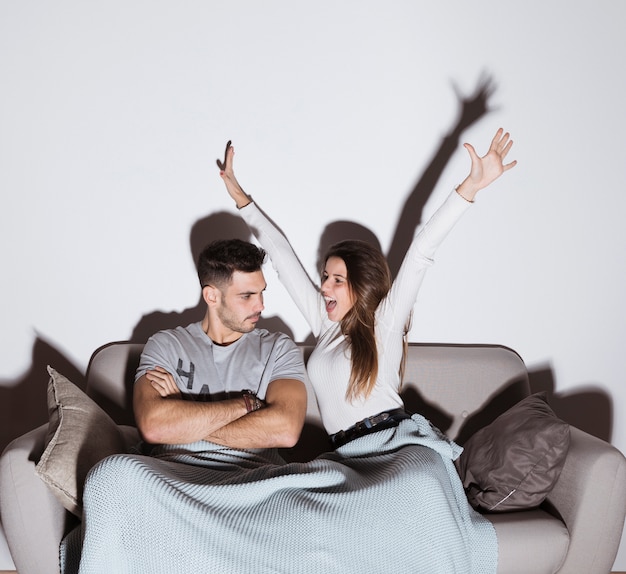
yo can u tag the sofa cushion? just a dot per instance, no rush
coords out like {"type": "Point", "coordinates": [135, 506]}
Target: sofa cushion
{"type": "Point", "coordinates": [513, 463]}
{"type": "Point", "coordinates": [530, 542]}
{"type": "Point", "coordinates": [79, 435]}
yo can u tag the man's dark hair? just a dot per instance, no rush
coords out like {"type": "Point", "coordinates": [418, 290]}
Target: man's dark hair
{"type": "Point", "coordinates": [221, 258]}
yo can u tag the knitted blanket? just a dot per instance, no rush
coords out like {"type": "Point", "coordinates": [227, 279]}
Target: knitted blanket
{"type": "Point", "coordinates": [388, 501]}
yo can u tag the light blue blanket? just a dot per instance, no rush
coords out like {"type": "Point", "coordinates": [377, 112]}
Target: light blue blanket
{"type": "Point", "coordinates": [390, 501]}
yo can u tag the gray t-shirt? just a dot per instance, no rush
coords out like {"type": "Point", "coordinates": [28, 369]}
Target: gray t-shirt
{"type": "Point", "coordinates": [206, 371]}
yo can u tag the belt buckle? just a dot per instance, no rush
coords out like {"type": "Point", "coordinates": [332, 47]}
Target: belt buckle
{"type": "Point", "coordinates": [381, 418]}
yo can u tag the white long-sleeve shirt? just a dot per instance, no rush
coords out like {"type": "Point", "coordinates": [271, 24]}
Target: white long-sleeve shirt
{"type": "Point", "coordinates": [329, 365]}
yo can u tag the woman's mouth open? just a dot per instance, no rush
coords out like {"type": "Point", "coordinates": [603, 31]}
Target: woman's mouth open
{"type": "Point", "coordinates": [331, 304]}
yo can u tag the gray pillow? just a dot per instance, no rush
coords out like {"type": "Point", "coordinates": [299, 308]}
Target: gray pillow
{"type": "Point", "coordinates": [513, 463]}
{"type": "Point", "coordinates": [80, 434]}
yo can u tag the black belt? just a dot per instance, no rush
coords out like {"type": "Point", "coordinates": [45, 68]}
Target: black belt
{"type": "Point", "coordinates": [386, 419]}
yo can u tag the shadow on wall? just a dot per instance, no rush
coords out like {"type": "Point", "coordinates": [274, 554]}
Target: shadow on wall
{"type": "Point", "coordinates": [471, 109]}
{"type": "Point", "coordinates": [221, 225]}
{"type": "Point", "coordinates": [23, 402]}
{"type": "Point", "coordinates": [588, 408]}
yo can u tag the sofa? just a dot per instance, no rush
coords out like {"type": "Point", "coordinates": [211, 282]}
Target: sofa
{"type": "Point", "coordinates": [574, 527]}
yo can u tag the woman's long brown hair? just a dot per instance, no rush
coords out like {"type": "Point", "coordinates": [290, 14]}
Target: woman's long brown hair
{"type": "Point", "coordinates": [369, 280]}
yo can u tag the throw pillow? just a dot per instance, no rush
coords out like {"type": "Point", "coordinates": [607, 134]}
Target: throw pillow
{"type": "Point", "coordinates": [80, 434]}
{"type": "Point", "coordinates": [513, 463]}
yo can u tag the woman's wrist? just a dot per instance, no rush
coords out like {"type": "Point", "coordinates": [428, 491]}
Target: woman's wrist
{"type": "Point", "coordinates": [240, 197]}
{"type": "Point", "coordinates": [466, 191]}
{"type": "Point", "coordinates": [241, 203]}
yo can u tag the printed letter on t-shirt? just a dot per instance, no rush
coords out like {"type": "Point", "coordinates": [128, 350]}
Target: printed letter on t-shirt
{"type": "Point", "coordinates": [186, 374]}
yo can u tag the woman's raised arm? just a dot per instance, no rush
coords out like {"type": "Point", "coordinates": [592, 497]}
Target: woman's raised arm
{"type": "Point", "coordinates": [286, 263]}
{"type": "Point", "coordinates": [228, 175]}
{"type": "Point", "coordinates": [484, 170]}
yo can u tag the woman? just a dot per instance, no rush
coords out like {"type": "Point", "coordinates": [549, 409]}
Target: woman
{"type": "Point", "coordinates": [394, 472]}
{"type": "Point", "coordinates": [357, 316]}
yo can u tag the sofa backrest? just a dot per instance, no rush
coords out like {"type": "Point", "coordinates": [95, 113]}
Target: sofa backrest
{"type": "Point", "coordinates": [459, 388]}
{"type": "Point", "coordinates": [111, 376]}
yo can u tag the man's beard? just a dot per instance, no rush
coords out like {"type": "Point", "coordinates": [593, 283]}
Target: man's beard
{"type": "Point", "coordinates": [231, 322]}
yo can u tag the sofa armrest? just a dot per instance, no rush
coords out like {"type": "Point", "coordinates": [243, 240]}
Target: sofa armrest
{"type": "Point", "coordinates": [34, 521]}
{"type": "Point", "coordinates": [590, 497]}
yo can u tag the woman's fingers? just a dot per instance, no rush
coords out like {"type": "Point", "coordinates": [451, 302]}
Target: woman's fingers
{"type": "Point", "coordinates": [220, 164]}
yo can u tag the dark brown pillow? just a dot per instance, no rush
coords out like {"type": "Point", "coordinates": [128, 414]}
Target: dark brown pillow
{"type": "Point", "coordinates": [513, 463]}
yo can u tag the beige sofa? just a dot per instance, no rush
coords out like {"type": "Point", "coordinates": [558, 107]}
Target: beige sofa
{"type": "Point", "coordinates": [460, 388]}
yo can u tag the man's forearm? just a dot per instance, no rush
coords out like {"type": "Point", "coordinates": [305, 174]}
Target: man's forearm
{"type": "Point", "coordinates": [277, 425]}
{"type": "Point", "coordinates": [190, 421]}
{"type": "Point", "coordinates": [269, 427]}
{"type": "Point", "coordinates": [172, 420]}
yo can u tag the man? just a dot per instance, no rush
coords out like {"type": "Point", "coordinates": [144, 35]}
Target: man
{"type": "Point", "coordinates": [222, 379]}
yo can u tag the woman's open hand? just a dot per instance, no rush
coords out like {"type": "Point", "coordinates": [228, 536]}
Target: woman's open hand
{"type": "Point", "coordinates": [228, 175]}
{"type": "Point", "coordinates": [488, 168]}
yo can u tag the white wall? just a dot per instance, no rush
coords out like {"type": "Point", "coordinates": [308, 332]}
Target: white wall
{"type": "Point", "coordinates": [112, 114]}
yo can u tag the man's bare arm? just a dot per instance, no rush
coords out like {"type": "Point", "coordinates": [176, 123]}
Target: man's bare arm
{"type": "Point", "coordinates": [277, 425]}
{"type": "Point", "coordinates": [165, 418]}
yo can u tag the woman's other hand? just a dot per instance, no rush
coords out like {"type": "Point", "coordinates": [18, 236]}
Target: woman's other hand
{"type": "Point", "coordinates": [228, 175]}
{"type": "Point", "coordinates": [488, 168]}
